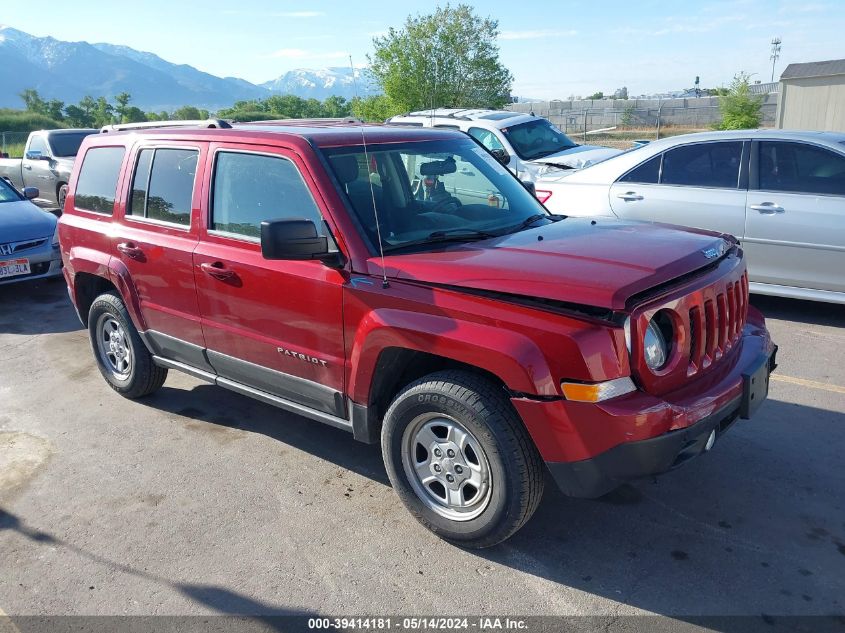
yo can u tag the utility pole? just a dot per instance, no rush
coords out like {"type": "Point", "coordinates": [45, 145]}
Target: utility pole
{"type": "Point", "coordinates": [775, 54]}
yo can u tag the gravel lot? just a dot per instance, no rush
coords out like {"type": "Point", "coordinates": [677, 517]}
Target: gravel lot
{"type": "Point", "coordinates": [200, 501]}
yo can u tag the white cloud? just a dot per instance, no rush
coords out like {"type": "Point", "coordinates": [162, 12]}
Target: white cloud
{"type": "Point", "coordinates": [536, 34]}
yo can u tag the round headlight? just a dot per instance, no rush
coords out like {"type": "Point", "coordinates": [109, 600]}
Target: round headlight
{"type": "Point", "coordinates": [655, 347]}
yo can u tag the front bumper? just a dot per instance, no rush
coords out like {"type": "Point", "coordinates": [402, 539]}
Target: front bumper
{"type": "Point", "coordinates": [591, 449]}
{"type": "Point", "coordinates": [44, 263]}
{"type": "Point", "coordinates": [594, 477]}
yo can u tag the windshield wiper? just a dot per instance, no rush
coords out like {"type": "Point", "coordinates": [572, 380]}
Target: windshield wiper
{"type": "Point", "coordinates": [553, 151]}
{"type": "Point", "coordinates": [531, 219]}
{"type": "Point", "coordinates": [446, 235]}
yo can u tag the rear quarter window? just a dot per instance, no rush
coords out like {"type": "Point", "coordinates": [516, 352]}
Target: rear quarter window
{"type": "Point", "coordinates": [97, 181]}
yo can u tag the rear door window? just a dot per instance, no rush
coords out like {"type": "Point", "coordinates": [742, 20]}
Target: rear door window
{"type": "Point", "coordinates": [800, 168]}
{"type": "Point", "coordinates": [97, 181]}
{"type": "Point", "coordinates": [647, 173]}
{"type": "Point", "coordinates": [703, 165]}
{"type": "Point", "coordinates": [163, 185]}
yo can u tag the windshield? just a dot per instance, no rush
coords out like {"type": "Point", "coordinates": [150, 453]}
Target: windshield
{"type": "Point", "coordinates": [7, 193]}
{"type": "Point", "coordinates": [536, 139]}
{"type": "Point", "coordinates": [432, 192]}
{"type": "Point", "coordinates": [67, 144]}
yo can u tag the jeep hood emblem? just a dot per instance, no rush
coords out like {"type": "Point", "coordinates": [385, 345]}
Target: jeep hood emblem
{"type": "Point", "coordinates": [715, 251]}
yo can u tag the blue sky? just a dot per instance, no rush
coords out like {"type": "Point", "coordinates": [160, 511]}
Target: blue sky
{"type": "Point", "coordinates": [554, 48]}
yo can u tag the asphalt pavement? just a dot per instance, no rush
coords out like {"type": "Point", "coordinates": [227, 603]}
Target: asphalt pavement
{"type": "Point", "coordinates": [199, 501]}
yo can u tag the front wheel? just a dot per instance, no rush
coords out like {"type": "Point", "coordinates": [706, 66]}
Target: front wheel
{"type": "Point", "coordinates": [460, 458]}
{"type": "Point", "coordinates": [61, 197]}
{"type": "Point", "coordinates": [122, 358]}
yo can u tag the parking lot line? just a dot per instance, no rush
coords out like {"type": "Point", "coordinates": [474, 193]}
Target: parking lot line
{"type": "Point", "coordinates": [812, 384]}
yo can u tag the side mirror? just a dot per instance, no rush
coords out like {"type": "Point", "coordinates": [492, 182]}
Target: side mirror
{"type": "Point", "coordinates": [36, 155]}
{"type": "Point", "coordinates": [30, 193]}
{"type": "Point", "coordinates": [530, 186]}
{"type": "Point", "coordinates": [501, 155]}
{"type": "Point", "coordinates": [293, 238]}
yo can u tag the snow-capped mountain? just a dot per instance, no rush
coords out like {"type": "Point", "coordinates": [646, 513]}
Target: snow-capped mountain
{"type": "Point", "coordinates": [323, 82]}
{"type": "Point", "coordinates": [70, 70]}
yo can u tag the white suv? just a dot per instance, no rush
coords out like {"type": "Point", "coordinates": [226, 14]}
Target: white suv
{"type": "Point", "coordinates": [528, 145]}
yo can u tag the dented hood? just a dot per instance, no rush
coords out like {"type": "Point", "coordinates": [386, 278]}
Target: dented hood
{"type": "Point", "coordinates": [578, 157]}
{"type": "Point", "coordinates": [600, 265]}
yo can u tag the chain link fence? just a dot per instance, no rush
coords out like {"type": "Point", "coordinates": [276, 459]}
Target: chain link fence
{"type": "Point", "coordinates": [12, 144]}
{"type": "Point", "coordinates": [619, 123]}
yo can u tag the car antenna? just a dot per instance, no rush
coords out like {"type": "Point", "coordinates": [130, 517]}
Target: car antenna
{"type": "Point", "coordinates": [384, 282]}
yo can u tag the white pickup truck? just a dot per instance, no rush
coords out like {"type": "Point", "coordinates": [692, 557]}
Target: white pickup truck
{"type": "Point", "coordinates": [46, 165]}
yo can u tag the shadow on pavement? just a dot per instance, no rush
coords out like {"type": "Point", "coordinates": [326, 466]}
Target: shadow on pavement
{"type": "Point", "coordinates": [39, 307]}
{"type": "Point", "coordinates": [222, 600]}
{"type": "Point", "coordinates": [755, 527]}
{"type": "Point", "coordinates": [218, 406]}
{"type": "Point", "coordinates": [800, 311]}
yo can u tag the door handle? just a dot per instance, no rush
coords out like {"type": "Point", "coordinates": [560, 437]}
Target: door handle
{"type": "Point", "coordinates": [217, 270]}
{"type": "Point", "coordinates": [27, 166]}
{"type": "Point", "coordinates": [767, 208]}
{"type": "Point", "coordinates": [130, 250]}
{"type": "Point", "coordinates": [629, 196]}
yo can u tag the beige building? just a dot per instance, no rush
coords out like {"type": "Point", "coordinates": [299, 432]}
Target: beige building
{"type": "Point", "coordinates": [812, 96]}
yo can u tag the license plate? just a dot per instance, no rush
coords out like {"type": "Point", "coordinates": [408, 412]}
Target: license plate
{"type": "Point", "coordinates": [755, 386]}
{"type": "Point", "coordinates": [14, 267]}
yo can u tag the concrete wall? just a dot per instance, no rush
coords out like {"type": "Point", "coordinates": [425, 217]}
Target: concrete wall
{"type": "Point", "coordinates": [813, 103]}
{"type": "Point", "coordinates": [698, 113]}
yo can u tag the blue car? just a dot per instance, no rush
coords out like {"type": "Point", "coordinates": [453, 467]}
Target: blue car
{"type": "Point", "coordinates": [29, 239]}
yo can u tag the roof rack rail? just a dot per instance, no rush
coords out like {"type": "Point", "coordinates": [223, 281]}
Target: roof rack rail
{"type": "Point", "coordinates": [440, 115]}
{"type": "Point", "coordinates": [148, 125]}
{"type": "Point", "coordinates": [349, 120]}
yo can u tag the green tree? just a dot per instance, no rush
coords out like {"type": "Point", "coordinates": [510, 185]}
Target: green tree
{"type": "Point", "coordinates": [188, 113]}
{"type": "Point", "coordinates": [33, 101]}
{"type": "Point", "coordinates": [374, 108]}
{"type": "Point", "coordinates": [596, 96]}
{"type": "Point", "coordinates": [103, 112]}
{"type": "Point", "coordinates": [285, 106]}
{"type": "Point", "coordinates": [122, 106]}
{"type": "Point", "coordinates": [740, 109]}
{"type": "Point", "coordinates": [627, 118]}
{"type": "Point", "coordinates": [132, 114]}
{"type": "Point", "coordinates": [55, 109]}
{"type": "Point", "coordinates": [88, 106]}
{"type": "Point", "coordinates": [336, 107]}
{"type": "Point", "coordinates": [449, 57]}
{"type": "Point", "coordinates": [77, 117]}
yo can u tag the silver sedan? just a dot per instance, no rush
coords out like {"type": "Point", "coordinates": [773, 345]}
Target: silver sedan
{"type": "Point", "coordinates": [29, 242]}
{"type": "Point", "coordinates": [782, 194]}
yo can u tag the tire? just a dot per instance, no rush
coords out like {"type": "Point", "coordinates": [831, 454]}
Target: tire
{"type": "Point", "coordinates": [61, 196]}
{"type": "Point", "coordinates": [496, 470]}
{"type": "Point", "coordinates": [121, 355]}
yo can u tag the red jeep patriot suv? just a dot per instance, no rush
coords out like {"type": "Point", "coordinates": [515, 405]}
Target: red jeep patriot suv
{"type": "Point", "coordinates": [401, 284]}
